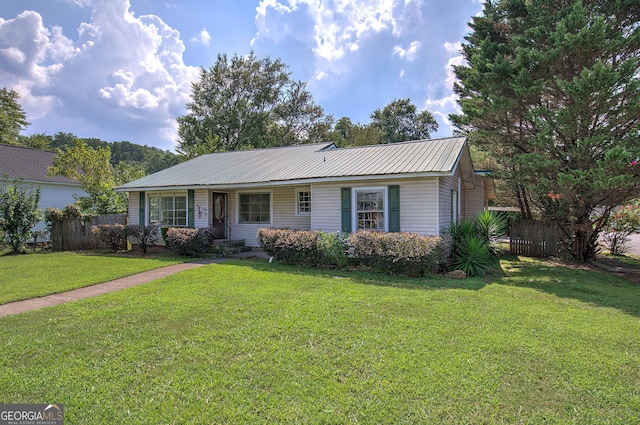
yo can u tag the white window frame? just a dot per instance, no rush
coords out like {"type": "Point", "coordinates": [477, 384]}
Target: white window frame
{"type": "Point", "coordinates": [354, 206]}
{"type": "Point", "coordinates": [254, 192]}
{"type": "Point", "coordinates": [161, 195]}
{"type": "Point", "coordinates": [298, 201]}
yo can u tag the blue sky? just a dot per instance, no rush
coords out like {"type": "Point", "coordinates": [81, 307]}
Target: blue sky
{"type": "Point", "coordinates": [122, 69]}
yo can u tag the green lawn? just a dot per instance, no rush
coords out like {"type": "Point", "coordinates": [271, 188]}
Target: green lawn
{"type": "Point", "coordinates": [36, 275]}
{"type": "Point", "coordinates": [253, 342]}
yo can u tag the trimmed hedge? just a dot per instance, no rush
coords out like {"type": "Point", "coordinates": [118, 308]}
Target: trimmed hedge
{"type": "Point", "coordinates": [114, 235]}
{"type": "Point", "coordinates": [291, 246]}
{"type": "Point", "coordinates": [396, 253]}
{"type": "Point", "coordinates": [189, 242]}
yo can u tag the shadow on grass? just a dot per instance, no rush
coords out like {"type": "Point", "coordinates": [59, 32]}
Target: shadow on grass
{"type": "Point", "coordinates": [581, 283]}
{"type": "Point", "coordinates": [586, 285]}
{"type": "Point", "coordinates": [367, 277]}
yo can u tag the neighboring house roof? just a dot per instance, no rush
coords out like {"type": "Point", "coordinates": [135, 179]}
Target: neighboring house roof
{"type": "Point", "coordinates": [31, 165]}
{"type": "Point", "coordinates": [307, 163]}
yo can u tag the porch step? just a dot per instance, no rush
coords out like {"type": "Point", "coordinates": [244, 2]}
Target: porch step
{"type": "Point", "coordinates": [225, 247]}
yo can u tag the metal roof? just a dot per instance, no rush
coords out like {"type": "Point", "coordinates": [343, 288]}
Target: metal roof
{"type": "Point", "coordinates": [312, 162]}
{"type": "Point", "coordinates": [29, 164]}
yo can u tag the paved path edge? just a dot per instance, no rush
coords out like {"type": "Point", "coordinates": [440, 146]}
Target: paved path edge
{"type": "Point", "coordinates": [24, 306]}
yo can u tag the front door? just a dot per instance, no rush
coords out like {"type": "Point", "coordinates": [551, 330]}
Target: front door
{"type": "Point", "coordinates": [219, 224]}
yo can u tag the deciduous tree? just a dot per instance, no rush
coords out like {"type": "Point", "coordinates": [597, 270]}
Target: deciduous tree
{"type": "Point", "coordinates": [19, 213]}
{"type": "Point", "coordinates": [400, 121]}
{"type": "Point", "coordinates": [12, 117]}
{"type": "Point", "coordinates": [93, 169]}
{"type": "Point", "coordinates": [246, 102]}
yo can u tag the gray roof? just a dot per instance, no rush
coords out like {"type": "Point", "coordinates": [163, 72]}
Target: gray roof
{"type": "Point", "coordinates": [31, 165]}
{"type": "Point", "coordinates": [306, 163]}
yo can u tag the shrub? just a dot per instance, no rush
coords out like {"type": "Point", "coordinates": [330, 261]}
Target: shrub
{"type": "Point", "coordinates": [53, 215]}
{"type": "Point", "coordinates": [466, 249]}
{"type": "Point", "coordinates": [163, 232]}
{"type": "Point", "coordinates": [189, 242]}
{"type": "Point", "coordinates": [473, 256]}
{"type": "Point", "coordinates": [71, 211]}
{"type": "Point", "coordinates": [397, 252]}
{"type": "Point", "coordinates": [114, 235]}
{"type": "Point", "coordinates": [291, 246]}
{"type": "Point", "coordinates": [145, 235]}
{"type": "Point", "coordinates": [623, 222]}
{"type": "Point", "coordinates": [334, 249]}
{"type": "Point", "coordinates": [19, 213]}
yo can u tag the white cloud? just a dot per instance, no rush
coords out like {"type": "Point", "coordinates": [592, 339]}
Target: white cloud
{"type": "Point", "coordinates": [452, 49]}
{"type": "Point", "coordinates": [133, 63]}
{"type": "Point", "coordinates": [339, 26]}
{"type": "Point", "coordinates": [447, 103]}
{"type": "Point", "coordinates": [202, 38]}
{"type": "Point", "coordinates": [410, 53]}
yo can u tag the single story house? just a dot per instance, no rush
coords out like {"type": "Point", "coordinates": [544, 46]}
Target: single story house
{"type": "Point", "coordinates": [32, 166]}
{"type": "Point", "coordinates": [419, 187]}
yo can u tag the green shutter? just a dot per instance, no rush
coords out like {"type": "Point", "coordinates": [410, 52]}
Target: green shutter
{"type": "Point", "coordinates": [142, 210]}
{"type": "Point", "coordinates": [394, 208]}
{"type": "Point", "coordinates": [346, 209]}
{"type": "Point", "coordinates": [190, 208]}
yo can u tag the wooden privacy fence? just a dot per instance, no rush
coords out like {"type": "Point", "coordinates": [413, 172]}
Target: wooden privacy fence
{"type": "Point", "coordinates": [534, 239]}
{"type": "Point", "coordinates": [74, 234]}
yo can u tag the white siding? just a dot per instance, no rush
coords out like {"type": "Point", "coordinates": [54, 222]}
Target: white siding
{"type": "Point", "coordinates": [475, 198]}
{"type": "Point", "coordinates": [201, 208]}
{"type": "Point", "coordinates": [284, 209]}
{"type": "Point", "coordinates": [134, 208]}
{"type": "Point", "coordinates": [283, 213]}
{"type": "Point", "coordinates": [418, 213]}
{"type": "Point", "coordinates": [54, 195]}
{"type": "Point", "coordinates": [325, 206]}
{"type": "Point", "coordinates": [448, 184]}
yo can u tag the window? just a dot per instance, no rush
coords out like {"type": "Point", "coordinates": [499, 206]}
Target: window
{"type": "Point", "coordinates": [254, 208]}
{"type": "Point", "coordinates": [168, 210]}
{"type": "Point", "coordinates": [303, 202]}
{"type": "Point", "coordinates": [370, 209]}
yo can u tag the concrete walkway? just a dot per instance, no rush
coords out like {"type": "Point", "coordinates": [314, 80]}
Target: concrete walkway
{"type": "Point", "coordinates": [114, 285]}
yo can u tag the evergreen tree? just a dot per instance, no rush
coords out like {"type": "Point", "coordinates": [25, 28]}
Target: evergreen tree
{"type": "Point", "coordinates": [552, 90]}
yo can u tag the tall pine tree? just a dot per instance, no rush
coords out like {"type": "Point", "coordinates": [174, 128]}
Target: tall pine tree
{"type": "Point", "coordinates": [552, 89]}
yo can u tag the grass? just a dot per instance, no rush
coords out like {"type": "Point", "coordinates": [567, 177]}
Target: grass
{"type": "Point", "coordinates": [252, 342]}
{"type": "Point", "coordinates": [35, 275]}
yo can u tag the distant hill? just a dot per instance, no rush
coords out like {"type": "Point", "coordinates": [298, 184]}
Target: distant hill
{"type": "Point", "coordinates": [149, 158]}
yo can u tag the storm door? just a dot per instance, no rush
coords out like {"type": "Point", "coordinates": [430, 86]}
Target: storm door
{"type": "Point", "coordinates": [219, 224]}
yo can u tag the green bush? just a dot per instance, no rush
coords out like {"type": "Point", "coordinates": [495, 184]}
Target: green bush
{"type": "Point", "coordinates": [189, 242]}
{"type": "Point", "coordinates": [467, 251]}
{"type": "Point", "coordinates": [145, 235]}
{"type": "Point", "coordinates": [53, 215]}
{"type": "Point", "coordinates": [163, 233]}
{"type": "Point", "coordinates": [19, 213]}
{"type": "Point", "coordinates": [291, 246]}
{"type": "Point", "coordinates": [473, 256]}
{"type": "Point", "coordinates": [334, 249]}
{"type": "Point", "coordinates": [114, 235]}
{"type": "Point", "coordinates": [397, 252]}
{"type": "Point", "coordinates": [622, 223]}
